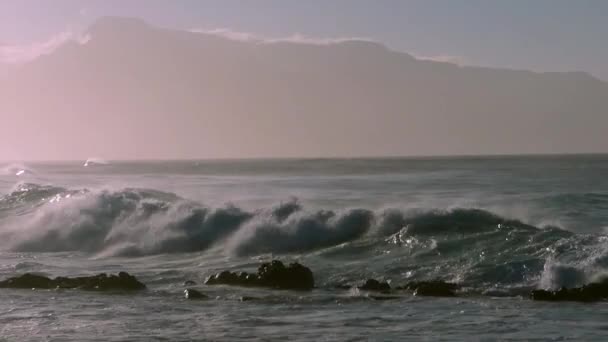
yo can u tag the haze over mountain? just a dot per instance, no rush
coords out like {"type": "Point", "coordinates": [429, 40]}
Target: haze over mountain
{"type": "Point", "coordinates": [134, 91]}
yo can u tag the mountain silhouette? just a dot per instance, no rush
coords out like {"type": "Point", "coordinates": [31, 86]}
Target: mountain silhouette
{"type": "Point", "coordinates": [137, 91]}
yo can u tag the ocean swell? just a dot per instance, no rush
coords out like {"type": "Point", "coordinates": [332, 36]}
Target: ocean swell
{"type": "Point", "coordinates": [465, 245]}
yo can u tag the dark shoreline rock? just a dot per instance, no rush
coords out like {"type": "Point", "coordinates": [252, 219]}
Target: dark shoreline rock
{"type": "Point", "coordinates": [375, 285]}
{"type": "Point", "coordinates": [434, 288]}
{"type": "Point", "coordinates": [99, 282]}
{"type": "Point", "coordinates": [194, 294]}
{"type": "Point", "coordinates": [271, 274]}
{"type": "Point", "coordinates": [592, 292]}
{"type": "Point", "coordinates": [376, 297]}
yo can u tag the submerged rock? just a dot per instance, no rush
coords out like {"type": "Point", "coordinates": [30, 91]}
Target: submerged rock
{"type": "Point", "coordinates": [194, 294]}
{"type": "Point", "coordinates": [385, 297]}
{"type": "Point", "coordinates": [271, 274]}
{"type": "Point", "coordinates": [375, 285]}
{"type": "Point", "coordinates": [99, 282]}
{"type": "Point", "coordinates": [587, 293]}
{"type": "Point", "coordinates": [436, 288]}
{"type": "Point", "coordinates": [189, 283]}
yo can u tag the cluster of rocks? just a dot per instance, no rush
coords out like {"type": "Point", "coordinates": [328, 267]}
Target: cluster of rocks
{"type": "Point", "coordinates": [276, 275]}
{"type": "Point", "coordinates": [436, 288]}
{"type": "Point", "coordinates": [100, 282]}
{"type": "Point", "coordinates": [298, 277]}
{"type": "Point", "coordinates": [271, 274]}
{"type": "Point", "coordinates": [592, 292]}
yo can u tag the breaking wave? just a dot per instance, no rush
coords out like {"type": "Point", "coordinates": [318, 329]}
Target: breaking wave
{"type": "Point", "coordinates": [16, 169]}
{"type": "Point", "coordinates": [466, 245]}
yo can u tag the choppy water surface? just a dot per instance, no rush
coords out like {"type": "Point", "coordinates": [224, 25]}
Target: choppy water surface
{"type": "Point", "coordinates": [498, 226]}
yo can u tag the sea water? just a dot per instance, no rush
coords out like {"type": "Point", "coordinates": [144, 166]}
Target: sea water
{"type": "Point", "coordinates": [498, 226]}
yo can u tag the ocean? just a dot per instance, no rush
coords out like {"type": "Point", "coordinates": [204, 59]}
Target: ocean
{"type": "Point", "coordinates": [499, 227]}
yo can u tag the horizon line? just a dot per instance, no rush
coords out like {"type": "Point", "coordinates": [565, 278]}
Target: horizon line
{"type": "Point", "coordinates": [314, 158]}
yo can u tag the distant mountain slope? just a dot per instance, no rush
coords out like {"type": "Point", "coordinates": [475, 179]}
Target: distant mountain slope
{"type": "Point", "coordinates": [135, 91]}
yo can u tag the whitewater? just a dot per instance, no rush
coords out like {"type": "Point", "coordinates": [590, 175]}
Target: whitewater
{"type": "Point", "coordinates": [499, 227]}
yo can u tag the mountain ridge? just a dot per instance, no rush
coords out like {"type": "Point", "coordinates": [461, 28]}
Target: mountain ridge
{"type": "Point", "coordinates": [137, 91]}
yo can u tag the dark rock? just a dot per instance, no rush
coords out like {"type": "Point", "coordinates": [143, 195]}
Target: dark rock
{"type": "Point", "coordinates": [587, 293]}
{"type": "Point", "coordinates": [384, 297]}
{"type": "Point", "coordinates": [28, 281]}
{"type": "Point", "coordinates": [294, 276]}
{"type": "Point", "coordinates": [194, 294]}
{"type": "Point", "coordinates": [436, 288]}
{"type": "Point", "coordinates": [252, 278]}
{"type": "Point", "coordinates": [189, 283]}
{"type": "Point", "coordinates": [273, 274]}
{"type": "Point", "coordinates": [247, 298]}
{"type": "Point", "coordinates": [374, 285]}
{"type": "Point", "coordinates": [99, 282]}
{"type": "Point", "coordinates": [224, 277]}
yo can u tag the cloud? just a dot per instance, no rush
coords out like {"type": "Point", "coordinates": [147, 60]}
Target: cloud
{"type": "Point", "coordinates": [14, 54]}
{"type": "Point", "coordinates": [257, 38]}
{"type": "Point", "coordinates": [230, 34]}
{"type": "Point", "coordinates": [459, 60]}
{"type": "Point", "coordinates": [303, 39]}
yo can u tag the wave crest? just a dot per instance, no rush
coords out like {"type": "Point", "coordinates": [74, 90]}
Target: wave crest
{"type": "Point", "coordinates": [137, 222]}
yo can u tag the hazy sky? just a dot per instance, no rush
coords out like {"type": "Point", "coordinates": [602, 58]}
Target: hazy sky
{"type": "Point", "coordinates": [302, 87]}
{"type": "Point", "coordinates": [557, 35]}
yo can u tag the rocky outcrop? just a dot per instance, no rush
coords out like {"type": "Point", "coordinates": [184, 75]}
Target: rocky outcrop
{"type": "Point", "coordinates": [273, 275]}
{"type": "Point", "coordinates": [436, 288]}
{"type": "Point", "coordinates": [194, 294]}
{"type": "Point", "coordinates": [99, 282]}
{"type": "Point", "coordinates": [375, 285]}
{"type": "Point", "coordinates": [587, 293]}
